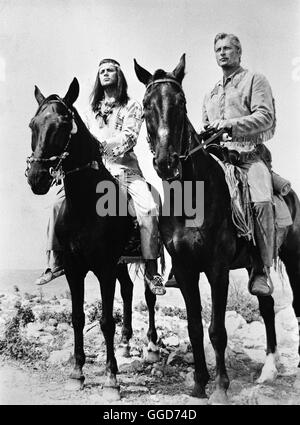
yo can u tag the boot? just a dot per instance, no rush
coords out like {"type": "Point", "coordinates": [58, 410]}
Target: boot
{"type": "Point", "coordinates": [260, 282]}
{"type": "Point", "coordinates": [55, 268]}
{"type": "Point", "coordinates": [153, 279]}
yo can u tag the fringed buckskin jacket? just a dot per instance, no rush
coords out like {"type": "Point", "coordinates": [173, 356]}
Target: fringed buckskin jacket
{"type": "Point", "coordinates": [244, 100]}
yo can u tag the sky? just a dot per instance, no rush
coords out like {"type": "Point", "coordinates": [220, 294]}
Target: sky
{"type": "Point", "coordinates": [49, 43]}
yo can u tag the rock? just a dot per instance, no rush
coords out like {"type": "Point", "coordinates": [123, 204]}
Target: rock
{"type": "Point", "coordinates": [236, 386]}
{"type": "Point", "coordinates": [129, 364]}
{"type": "Point", "coordinates": [189, 358]}
{"type": "Point", "coordinates": [150, 356]}
{"type": "Point", "coordinates": [252, 335]}
{"type": "Point", "coordinates": [169, 370]}
{"type": "Point", "coordinates": [172, 341]}
{"type": "Point", "coordinates": [263, 400]}
{"type": "Point", "coordinates": [65, 303]}
{"type": "Point", "coordinates": [183, 347]}
{"type": "Point", "coordinates": [60, 356]}
{"type": "Point", "coordinates": [34, 329]}
{"type": "Point", "coordinates": [9, 301]}
{"type": "Point", "coordinates": [137, 388]}
{"type": "Point", "coordinates": [157, 372]}
{"type": "Point", "coordinates": [233, 321]}
{"type": "Point", "coordinates": [135, 352]}
{"type": "Point", "coordinates": [52, 322]}
{"type": "Point", "coordinates": [46, 339]}
{"type": "Point", "coordinates": [63, 327]}
{"type": "Point", "coordinates": [189, 379]}
{"type": "Point", "coordinates": [210, 356]}
{"type": "Point", "coordinates": [257, 355]}
{"type": "Point", "coordinates": [50, 329]}
{"type": "Point", "coordinates": [174, 357]}
{"type": "Point", "coordinates": [286, 319]}
{"type": "Point", "coordinates": [235, 346]}
{"type": "Point", "coordinates": [2, 327]}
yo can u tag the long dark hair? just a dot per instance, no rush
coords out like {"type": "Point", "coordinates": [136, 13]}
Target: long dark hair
{"type": "Point", "coordinates": [98, 92]}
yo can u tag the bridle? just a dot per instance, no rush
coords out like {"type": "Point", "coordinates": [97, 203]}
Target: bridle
{"type": "Point", "coordinates": [189, 151]}
{"type": "Point", "coordinates": [57, 173]}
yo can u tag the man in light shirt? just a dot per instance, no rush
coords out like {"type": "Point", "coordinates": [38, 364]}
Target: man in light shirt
{"type": "Point", "coordinates": [242, 101]}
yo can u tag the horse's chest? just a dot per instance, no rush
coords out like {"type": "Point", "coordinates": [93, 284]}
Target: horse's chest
{"type": "Point", "coordinates": [184, 241]}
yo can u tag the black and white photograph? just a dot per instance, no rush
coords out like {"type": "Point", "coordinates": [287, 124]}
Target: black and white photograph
{"type": "Point", "coordinates": [150, 212]}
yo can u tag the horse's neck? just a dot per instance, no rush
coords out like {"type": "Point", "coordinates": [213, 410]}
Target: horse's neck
{"type": "Point", "coordinates": [81, 177]}
{"type": "Point", "coordinates": [202, 167]}
{"type": "Point", "coordinates": [82, 148]}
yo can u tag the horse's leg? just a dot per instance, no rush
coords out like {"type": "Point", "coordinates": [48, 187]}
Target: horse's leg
{"type": "Point", "coordinates": [292, 265]}
{"type": "Point", "coordinates": [188, 282]}
{"type": "Point", "coordinates": [290, 255]}
{"type": "Point", "coordinates": [152, 349]}
{"type": "Point", "coordinates": [126, 286]}
{"type": "Point", "coordinates": [269, 370]}
{"type": "Point", "coordinates": [75, 276]}
{"type": "Point", "coordinates": [107, 278]}
{"type": "Point", "coordinates": [218, 278]}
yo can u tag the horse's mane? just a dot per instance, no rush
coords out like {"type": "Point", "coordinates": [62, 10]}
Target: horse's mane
{"type": "Point", "coordinates": [85, 132]}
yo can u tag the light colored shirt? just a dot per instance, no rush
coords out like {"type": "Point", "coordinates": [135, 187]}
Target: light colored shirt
{"type": "Point", "coordinates": [245, 101]}
{"type": "Point", "coordinates": [120, 131]}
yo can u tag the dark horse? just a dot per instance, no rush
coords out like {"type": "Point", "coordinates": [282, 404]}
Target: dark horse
{"type": "Point", "coordinates": [211, 245]}
{"type": "Point", "coordinates": [61, 143]}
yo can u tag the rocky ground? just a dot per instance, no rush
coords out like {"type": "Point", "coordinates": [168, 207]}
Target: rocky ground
{"type": "Point", "coordinates": [36, 342]}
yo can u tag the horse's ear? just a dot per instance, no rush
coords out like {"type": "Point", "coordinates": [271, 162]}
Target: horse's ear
{"type": "Point", "coordinates": [72, 93]}
{"type": "Point", "coordinates": [142, 74]}
{"type": "Point", "coordinates": [179, 71]}
{"type": "Point", "coordinates": [38, 95]}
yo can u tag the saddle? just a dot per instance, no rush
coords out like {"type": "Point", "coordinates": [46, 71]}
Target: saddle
{"type": "Point", "coordinates": [236, 180]}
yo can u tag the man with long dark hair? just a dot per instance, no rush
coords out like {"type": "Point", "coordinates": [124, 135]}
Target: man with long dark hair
{"type": "Point", "coordinates": [115, 120]}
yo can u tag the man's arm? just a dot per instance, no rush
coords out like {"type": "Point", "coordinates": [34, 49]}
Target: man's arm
{"type": "Point", "coordinates": [127, 138]}
{"type": "Point", "coordinates": [262, 111]}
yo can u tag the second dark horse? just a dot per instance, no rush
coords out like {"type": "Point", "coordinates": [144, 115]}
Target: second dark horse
{"type": "Point", "coordinates": [210, 246]}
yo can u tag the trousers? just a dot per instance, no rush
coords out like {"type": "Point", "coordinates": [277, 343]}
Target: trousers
{"type": "Point", "coordinates": [144, 204]}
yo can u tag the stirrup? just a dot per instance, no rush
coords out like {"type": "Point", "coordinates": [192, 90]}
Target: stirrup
{"type": "Point", "coordinates": [156, 284]}
{"type": "Point", "coordinates": [49, 275]}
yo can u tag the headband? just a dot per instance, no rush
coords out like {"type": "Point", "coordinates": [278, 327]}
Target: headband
{"type": "Point", "coordinates": [111, 61]}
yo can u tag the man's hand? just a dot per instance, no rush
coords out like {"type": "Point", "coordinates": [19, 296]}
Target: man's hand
{"type": "Point", "coordinates": [219, 124]}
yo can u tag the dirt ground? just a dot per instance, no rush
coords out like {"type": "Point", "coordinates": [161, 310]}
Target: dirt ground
{"type": "Point", "coordinates": [143, 383]}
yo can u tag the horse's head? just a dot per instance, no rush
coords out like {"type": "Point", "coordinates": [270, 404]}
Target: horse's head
{"type": "Point", "coordinates": [52, 128]}
{"type": "Point", "coordinates": [165, 112]}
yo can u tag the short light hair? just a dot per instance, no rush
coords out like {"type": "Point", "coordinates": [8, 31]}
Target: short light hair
{"type": "Point", "coordinates": [233, 39]}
